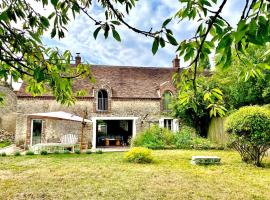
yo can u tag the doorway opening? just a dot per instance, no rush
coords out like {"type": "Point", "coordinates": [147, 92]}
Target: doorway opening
{"type": "Point", "coordinates": [36, 131]}
{"type": "Point", "coordinates": [114, 133]}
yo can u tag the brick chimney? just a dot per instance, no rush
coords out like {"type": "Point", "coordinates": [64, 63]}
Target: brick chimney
{"type": "Point", "coordinates": [176, 62]}
{"type": "Point", "coordinates": [78, 59]}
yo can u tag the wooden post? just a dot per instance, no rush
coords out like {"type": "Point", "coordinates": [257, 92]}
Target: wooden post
{"type": "Point", "coordinates": [83, 125]}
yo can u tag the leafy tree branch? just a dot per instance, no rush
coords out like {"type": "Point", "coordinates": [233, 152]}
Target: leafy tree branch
{"type": "Point", "coordinates": [23, 55]}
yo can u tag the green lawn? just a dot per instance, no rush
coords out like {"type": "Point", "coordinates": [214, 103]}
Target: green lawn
{"type": "Point", "coordinates": [107, 176]}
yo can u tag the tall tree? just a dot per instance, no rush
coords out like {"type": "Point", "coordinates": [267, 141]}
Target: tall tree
{"type": "Point", "coordinates": [225, 89]}
{"type": "Point", "coordinates": [247, 82]}
{"type": "Point", "coordinates": [22, 54]}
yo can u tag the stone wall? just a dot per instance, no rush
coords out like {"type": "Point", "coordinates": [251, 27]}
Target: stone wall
{"type": "Point", "coordinates": [6, 136]}
{"type": "Point", "coordinates": [10, 99]}
{"type": "Point", "coordinates": [8, 122]}
{"type": "Point", "coordinates": [8, 111]}
{"type": "Point", "coordinates": [147, 111]}
{"type": "Point", "coordinates": [57, 128]}
{"type": "Point", "coordinates": [53, 128]}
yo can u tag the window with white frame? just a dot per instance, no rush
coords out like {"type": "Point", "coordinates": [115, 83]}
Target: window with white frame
{"type": "Point", "coordinates": [169, 123]}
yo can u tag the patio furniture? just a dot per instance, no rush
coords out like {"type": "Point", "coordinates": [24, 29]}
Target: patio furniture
{"type": "Point", "coordinates": [112, 139]}
{"type": "Point", "coordinates": [107, 142]}
{"type": "Point", "coordinates": [67, 141]}
{"type": "Point", "coordinates": [117, 141]}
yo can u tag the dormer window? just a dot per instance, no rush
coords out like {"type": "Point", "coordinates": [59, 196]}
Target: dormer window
{"type": "Point", "coordinates": [166, 100]}
{"type": "Point", "coordinates": [102, 104]}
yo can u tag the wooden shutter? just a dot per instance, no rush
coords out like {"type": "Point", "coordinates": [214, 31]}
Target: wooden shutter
{"type": "Point", "coordinates": [175, 125]}
{"type": "Point", "coordinates": [161, 123]}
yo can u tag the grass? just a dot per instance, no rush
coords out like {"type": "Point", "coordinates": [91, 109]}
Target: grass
{"type": "Point", "coordinates": [107, 176]}
{"type": "Point", "coordinates": [4, 144]}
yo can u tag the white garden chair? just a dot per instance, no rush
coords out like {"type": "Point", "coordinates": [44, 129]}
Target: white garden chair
{"type": "Point", "coordinates": [69, 140]}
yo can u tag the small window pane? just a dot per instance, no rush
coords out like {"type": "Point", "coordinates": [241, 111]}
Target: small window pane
{"type": "Point", "coordinates": [102, 128]}
{"type": "Point", "coordinates": [167, 99]}
{"type": "Point", "coordinates": [168, 124]}
{"type": "Point", "coordinates": [102, 100]}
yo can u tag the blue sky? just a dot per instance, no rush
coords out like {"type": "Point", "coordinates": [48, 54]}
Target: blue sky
{"type": "Point", "coordinates": [135, 49]}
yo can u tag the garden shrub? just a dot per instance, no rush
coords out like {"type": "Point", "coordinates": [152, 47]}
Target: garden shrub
{"type": "Point", "coordinates": [17, 153]}
{"type": "Point", "coordinates": [3, 154]}
{"type": "Point", "coordinates": [78, 151]}
{"type": "Point", "coordinates": [66, 152]}
{"type": "Point", "coordinates": [139, 155]}
{"type": "Point", "coordinates": [187, 139]}
{"type": "Point", "coordinates": [56, 152]}
{"type": "Point", "coordinates": [184, 129]}
{"type": "Point", "coordinates": [249, 128]}
{"type": "Point", "coordinates": [44, 152]}
{"type": "Point", "coordinates": [99, 152]}
{"type": "Point", "coordinates": [183, 139]}
{"type": "Point", "coordinates": [4, 143]}
{"type": "Point", "coordinates": [29, 153]}
{"type": "Point", "coordinates": [161, 138]}
{"type": "Point", "coordinates": [88, 152]}
{"type": "Point", "coordinates": [154, 138]}
{"type": "Point", "coordinates": [201, 143]}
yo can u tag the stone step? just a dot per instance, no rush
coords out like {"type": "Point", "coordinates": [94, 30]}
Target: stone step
{"type": "Point", "coordinates": [205, 160]}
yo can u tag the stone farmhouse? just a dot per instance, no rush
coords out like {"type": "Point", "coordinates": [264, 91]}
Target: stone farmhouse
{"type": "Point", "coordinates": [123, 101]}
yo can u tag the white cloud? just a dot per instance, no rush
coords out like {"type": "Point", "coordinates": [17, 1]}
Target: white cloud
{"type": "Point", "coordinates": [134, 49]}
{"type": "Point", "coordinates": [231, 12]}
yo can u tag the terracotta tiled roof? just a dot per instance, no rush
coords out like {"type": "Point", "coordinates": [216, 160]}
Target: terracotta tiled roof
{"type": "Point", "coordinates": [124, 81]}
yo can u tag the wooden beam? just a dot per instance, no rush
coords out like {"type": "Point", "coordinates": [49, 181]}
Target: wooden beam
{"type": "Point", "coordinates": [82, 129]}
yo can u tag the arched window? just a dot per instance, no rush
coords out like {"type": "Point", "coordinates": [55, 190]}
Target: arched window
{"type": "Point", "coordinates": [102, 100]}
{"type": "Point", "coordinates": [167, 99]}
